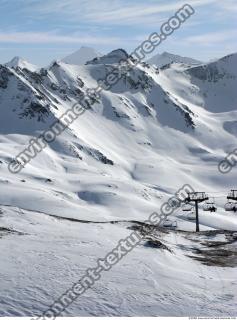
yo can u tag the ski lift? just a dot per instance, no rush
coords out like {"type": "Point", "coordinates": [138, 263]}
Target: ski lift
{"type": "Point", "coordinates": [170, 224]}
{"type": "Point", "coordinates": [210, 206]}
{"type": "Point", "coordinates": [231, 206]}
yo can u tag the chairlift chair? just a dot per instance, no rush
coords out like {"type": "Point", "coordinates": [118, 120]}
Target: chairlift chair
{"type": "Point", "coordinates": [191, 215]}
{"type": "Point", "coordinates": [187, 207]}
{"type": "Point", "coordinates": [234, 208]}
{"type": "Point", "coordinates": [231, 206]}
{"type": "Point", "coordinates": [170, 224]}
{"type": "Point", "coordinates": [210, 206]}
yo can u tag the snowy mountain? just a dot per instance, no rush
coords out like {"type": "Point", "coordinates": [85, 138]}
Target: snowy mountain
{"type": "Point", "coordinates": [150, 124]}
{"type": "Point", "coordinates": [81, 56]}
{"type": "Point", "coordinates": [161, 60]}
{"type": "Point", "coordinates": [18, 62]}
{"type": "Point", "coordinates": [141, 141]}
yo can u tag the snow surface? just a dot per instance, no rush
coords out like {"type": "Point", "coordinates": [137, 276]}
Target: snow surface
{"type": "Point", "coordinates": [153, 132]}
{"type": "Point", "coordinates": [49, 255]}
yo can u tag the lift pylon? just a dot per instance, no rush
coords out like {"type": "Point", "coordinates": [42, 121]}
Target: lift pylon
{"type": "Point", "coordinates": [197, 197]}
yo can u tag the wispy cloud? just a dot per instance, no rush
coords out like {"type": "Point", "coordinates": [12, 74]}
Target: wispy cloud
{"type": "Point", "coordinates": [114, 12]}
{"type": "Point", "coordinates": [47, 38]}
{"type": "Point", "coordinates": [134, 13]}
{"type": "Point", "coordinates": [229, 5]}
{"type": "Point", "coordinates": [211, 38]}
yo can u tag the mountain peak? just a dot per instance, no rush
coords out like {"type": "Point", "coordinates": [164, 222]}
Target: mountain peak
{"type": "Point", "coordinates": [18, 62]}
{"type": "Point", "coordinates": [81, 56]}
{"type": "Point", "coordinates": [165, 53]}
{"type": "Point", "coordinates": [112, 57]}
{"type": "Point", "coordinates": [165, 58]}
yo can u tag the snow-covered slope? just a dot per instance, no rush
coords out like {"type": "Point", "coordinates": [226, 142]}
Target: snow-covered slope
{"type": "Point", "coordinates": [42, 257]}
{"type": "Point", "coordinates": [161, 60]}
{"type": "Point", "coordinates": [81, 56]}
{"type": "Point", "coordinates": [153, 132]}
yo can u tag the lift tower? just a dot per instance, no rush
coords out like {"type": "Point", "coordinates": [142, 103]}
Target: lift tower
{"type": "Point", "coordinates": [197, 197]}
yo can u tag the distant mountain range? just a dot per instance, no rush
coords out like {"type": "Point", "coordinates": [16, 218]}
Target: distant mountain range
{"type": "Point", "coordinates": [86, 54]}
{"type": "Point", "coordinates": [89, 55]}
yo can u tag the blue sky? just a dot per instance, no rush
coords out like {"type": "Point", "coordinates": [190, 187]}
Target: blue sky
{"type": "Point", "coordinates": [43, 30]}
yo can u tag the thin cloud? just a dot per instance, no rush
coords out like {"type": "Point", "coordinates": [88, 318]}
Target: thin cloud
{"type": "Point", "coordinates": [114, 12]}
{"type": "Point", "coordinates": [45, 37]}
{"type": "Point", "coordinates": [211, 38]}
